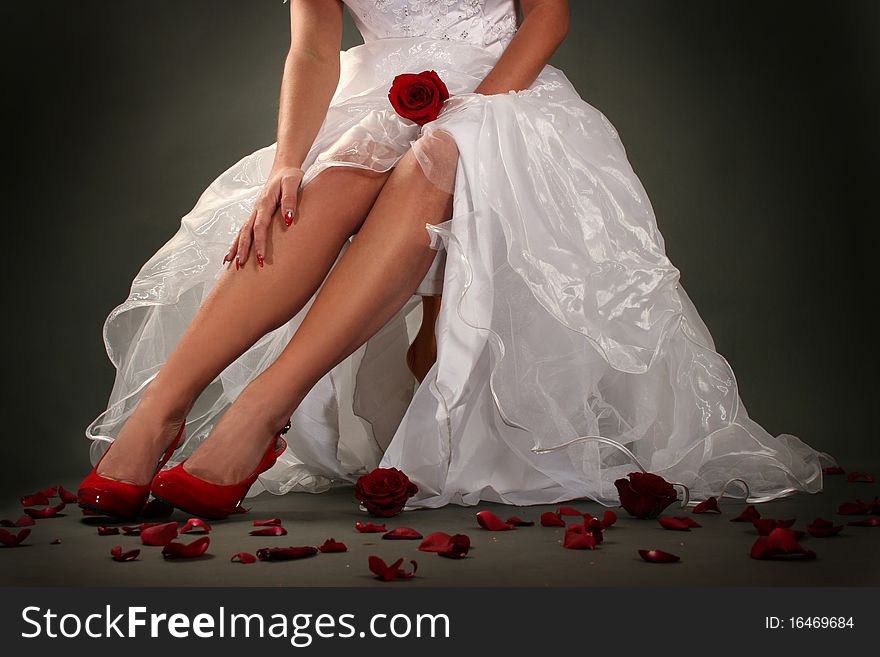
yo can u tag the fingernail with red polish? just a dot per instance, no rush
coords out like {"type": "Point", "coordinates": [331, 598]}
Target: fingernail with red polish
{"type": "Point", "coordinates": [288, 217]}
{"type": "Point", "coordinates": [237, 263]}
{"type": "Point", "coordinates": [260, 260]}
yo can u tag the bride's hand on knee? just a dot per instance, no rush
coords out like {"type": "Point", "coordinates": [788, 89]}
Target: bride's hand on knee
{"type": "Point", "coordinates": [280, 192]}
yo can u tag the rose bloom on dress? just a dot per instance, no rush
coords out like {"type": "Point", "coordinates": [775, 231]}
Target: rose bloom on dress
{"type": "Point", "coordinates": [418, 97]}
{"type": "Point", "coordinates": [384, 491]}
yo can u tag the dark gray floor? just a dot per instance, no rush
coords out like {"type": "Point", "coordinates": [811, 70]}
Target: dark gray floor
{"type": "Point", "coordinates": [716, 555]}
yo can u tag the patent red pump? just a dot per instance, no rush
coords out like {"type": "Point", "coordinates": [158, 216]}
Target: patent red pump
{"type": "Point", "coordinates": [119, 498]}
{"type": "Point", "coordinates": [198, 497]}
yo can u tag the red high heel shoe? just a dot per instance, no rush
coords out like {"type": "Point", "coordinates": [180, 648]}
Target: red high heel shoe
{"type": "Point", "coordinates": [198, 497]}
{"type": "Point", "coordinates": [119, 498]}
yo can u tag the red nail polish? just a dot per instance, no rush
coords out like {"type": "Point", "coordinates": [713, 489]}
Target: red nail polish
{"type": "Point", "coordinates": [225, 258]}
{"type": "Point", "coordinates": [288, 217]}
{"type": "Point", "coordinates": [237, 264]}
{"type": "Point", "coordinates": [260, 260]}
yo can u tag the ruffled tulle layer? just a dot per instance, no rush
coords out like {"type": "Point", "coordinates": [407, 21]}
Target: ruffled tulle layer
{"type": "Point", "coordinates": [569, 353]}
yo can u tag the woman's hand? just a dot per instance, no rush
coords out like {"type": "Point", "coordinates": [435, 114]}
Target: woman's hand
{"type": "Point", "coordinates": [281, 192]}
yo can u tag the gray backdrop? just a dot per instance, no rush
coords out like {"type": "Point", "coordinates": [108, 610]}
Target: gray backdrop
{"type": "Point", "coordinates": [751, 124]}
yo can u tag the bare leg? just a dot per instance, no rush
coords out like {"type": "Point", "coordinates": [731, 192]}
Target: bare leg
{"type": "Point", "coordinates": [388, 258]}
{"type": "Point", "coordinates": [242, 307]}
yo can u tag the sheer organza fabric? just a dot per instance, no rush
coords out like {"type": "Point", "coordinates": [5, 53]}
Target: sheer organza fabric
{"type": "Point", "coordinates": [569, 353]}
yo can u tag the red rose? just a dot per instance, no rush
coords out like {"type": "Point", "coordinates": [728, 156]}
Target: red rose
{"type": "Point", "coordinates": [384, 491]}
{"type": "Point", "coordinates": [418, 97]}
{"type": "Point", "coordinates": [645, 495]}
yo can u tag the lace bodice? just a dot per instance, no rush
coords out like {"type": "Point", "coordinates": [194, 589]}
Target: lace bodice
{"type": "Point", "coordinates": [487, 23]}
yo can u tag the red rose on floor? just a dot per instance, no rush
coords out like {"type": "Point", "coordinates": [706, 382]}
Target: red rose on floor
{"type": "Point", "coordinates": [645, 495]}
{"type": "Point", "coordinates": [384, 491]}
{"type": "Point", "coordinates": [418, 96]}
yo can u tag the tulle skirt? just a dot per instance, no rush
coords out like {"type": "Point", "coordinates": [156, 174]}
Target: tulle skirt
{"type": "Point", "coordinates": [568, 352]}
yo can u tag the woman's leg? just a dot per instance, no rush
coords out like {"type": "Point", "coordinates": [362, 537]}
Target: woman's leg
{"type": "Point", "coordinates": [242, 307]}
{"type": "Point", "coordinates": [378, 273]}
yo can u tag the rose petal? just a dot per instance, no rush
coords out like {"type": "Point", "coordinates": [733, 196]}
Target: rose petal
{"type": "Point", "coordinates": [107, 531]}
{"type": "Point", "coordinates": [577, 538]}
{"type": "Point", "coordinates": [24, 521]}
{"type": "Point", "coordinates": [749, 514]}
{"type": "Point", "coordinates": [118, 555]}
{"type": "Point", "coordinates": [767, 525]}
{"type": "Point", "coordinates": [8, 539]}
{"type": "Point", "coordinates": [568, 511]}
{"type": "Point", "coordinates": [402, 533]}
{"type": "Point", "coordinates": [394, 571]}
{"type": "Point", "coordinates": [833, 470]}
{"type": "Point", "coordinates": [673, 523]}
{"type": "Point", "coordinates": [821, 528]}
{"type": "Point", "coordinates": [185, 550]}
{"type": "Point", "coordinates": [157, 509]}
{"type": "Point", "coordinates": [66, 496]}
{"type": "Point", "coordinates": [489, 521]}
{"type": "Point", "coordinates": [459, 545]}
{"type": "Point", "coordinates": [658, 556]}
{"type": "Point", "coordinates": [690, 522]}
{"type": "Point", "coordinates": [286, 553]}
{"type": "Point", "coordinates": [709, 505]}
{"type": "Point", "coordinates": [158, 534]}
{"type": "Point", "coordinates": [195, 525]}
{"type": "Point", "coordinates": [332, 545]}
{"type": "Point", "coordinates": [272, 522]}
{"type": "Point", "coordinates": [856, 508]}
{"type": "Point", "coordinates": [516, 521]}
{"type": "Point", "coordinates": [243, 557]}
{"type": "Point", "coordinates": [36, 499]}
{"type": "Point", "coordinates": [48, 512]}
{"type": "Point", "coordinates": [867, 522]}
{"type": "Point", "coordinates": [131, 531]}
{"type": "Point", "coordinates": [269, 531]}
{"type": "Point", "coordinates": [551, 519]}
{"type": "Point", "coordinates": [366, 528]}
{"type": "Point", "coordinates": [435, 542]}
{"type": "Point", "coordinates": [853, 477]}
{"type": "Point", "coordinates": [608, 519]}
{"type": "Point", "coordinates": [57, 541]}
{"type": "Point", "coordinates": [780, 543]}
{"type": "Point", "coordinates": [48, 491]}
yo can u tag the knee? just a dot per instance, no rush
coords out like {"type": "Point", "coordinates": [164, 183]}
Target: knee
{"type": "Point", "coordinates": [437, 154]}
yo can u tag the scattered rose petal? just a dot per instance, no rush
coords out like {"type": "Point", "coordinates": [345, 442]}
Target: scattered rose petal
{"type": "Point", "coordinates": [368, 527]}
{"type": "Point", "coordinates": [243, 557]}
{"type": "Point", "coordinates": [821, 528]}
{"type": "Point", "coordinates": [185, 550]}
{"type": "Point", "coordinates": [856, 508]}
{"type": "Point", "coordinates": [388, 573]}
{"type": "Point", "coordinates": [131, 531]}
{"type": "Point", "coordinates": [24, 521]}
{"type": "Point", "coordinates": [867, 522]}
{"type": "Point", "coordinates": [491, 522]}
{"type": "Point", "coordinates": [780, 543]}
{"type": "Point", "coordinates": [332, 545]}
{"type": "Point", "coordinates": [269, 531]}
{"type": "Point", "coordinates": [767, 525]}
{"type": "Point", "coordinates": [568, 511]}
{"type": "Point", "coordinates": [158, 534]}
{"type": "Point", "coordinates": [833, 470]}
{"type": "Point", "coordinates": [455, 546]}
{"type": "Point", "coordinates": [107, 531]}
{"type": "Point", "coordinates": [195, 525]}
{"type": "Point", "coordinates": [516, 521]}
{"type": "Point", "coordinates": [709, 505]}
{"type": "Point", "coordinates": [854, 477]}
{"type": "Point", "coordinates": [690, 522]}
{"type": "Point", "coordinates": [48, 512]}
{"type": "Point", "coordinates": [551, 519]}
{"type": "Point", "coordinates": [57, 541]}
{"type": "Point", "coordinates": [90, 512]}
{"type": "Point", "coordinates": [402, 533]}
{"type": "Point", "coordinates": [658, 556]}
{"type": "Point", "coordinates": [750, 513]}
{"type": "Point", "coordinates": [66, 496]}
{"type": "Point", "coordinates": [577, 537]}
{"type": "Point", "coordinates": [48, 491]}
{"type": "Point", "coordinates": [673, 523]}
{"type": "Point", "coordinates": [157, 509]}
{"type": "Point", "coordinates": [286, 553]}
{"type": "Point", "coordinates": [272, 522]}
{"type": "Point", "coordinates": [37, 499]}
{"type": "Point", "coordinates": [118, 555]}
{"type": "Point", "coordinates": [609, 518]}
{"type": "Point", "coordinates": [8, 539]}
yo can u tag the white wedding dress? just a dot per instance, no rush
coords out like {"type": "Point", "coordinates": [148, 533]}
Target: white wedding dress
{"type": "Point", "coordinates": [568, 353]}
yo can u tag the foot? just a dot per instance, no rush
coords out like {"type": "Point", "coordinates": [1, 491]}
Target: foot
{"type": "Point", "coordinates": [134, 454]}
{"type": "Point", "coordinates": [238, 442]}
